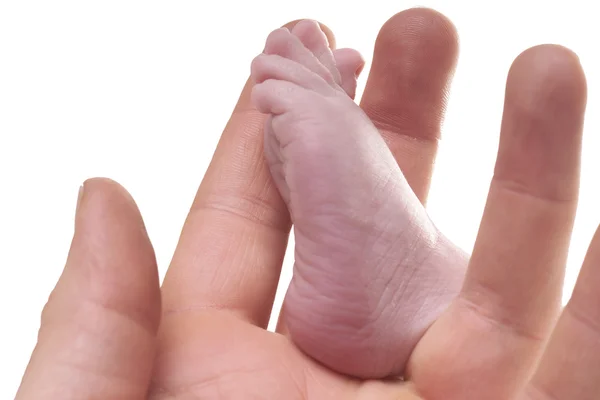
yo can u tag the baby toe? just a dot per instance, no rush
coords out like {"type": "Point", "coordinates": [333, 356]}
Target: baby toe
{"type": "Point", "coordinates": [315, 40]}
{"type": "Point", "coordinates": [350, 63]}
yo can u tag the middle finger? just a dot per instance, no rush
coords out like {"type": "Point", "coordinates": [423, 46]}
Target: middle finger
{"type": "Point", "coordinates": [405, 96]}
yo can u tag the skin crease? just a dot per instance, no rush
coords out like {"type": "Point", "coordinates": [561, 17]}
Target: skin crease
{"type": "Point", "coordinates": [97, 341]}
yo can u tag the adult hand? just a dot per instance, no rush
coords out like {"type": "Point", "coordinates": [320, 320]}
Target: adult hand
{"type": "Point", "coordinates": [100, 335]}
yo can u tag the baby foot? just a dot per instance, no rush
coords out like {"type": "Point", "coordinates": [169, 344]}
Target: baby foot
{"type": "Point", "coordinates": [370, 272]}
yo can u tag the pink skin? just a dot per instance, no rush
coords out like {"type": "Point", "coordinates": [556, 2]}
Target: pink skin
{"type": "Point", "coordinates": [369, 275]}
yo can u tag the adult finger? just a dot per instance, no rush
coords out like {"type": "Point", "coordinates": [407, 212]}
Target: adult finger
{"type": "Point", "coordinates": [231, 249]}
{"type": "Point", "coordinates": [492, 336]}
{"type": "Point", "coordinates": [570, 368]}
{"type": "Point", "coordinates": [97, 336]}
{"type": "Point", "coordinates": [405, 96]}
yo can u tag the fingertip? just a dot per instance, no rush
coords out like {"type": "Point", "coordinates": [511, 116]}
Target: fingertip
{"type": "Point", "coordinates": [548, 73]}
{"type": "Point", "coordinates": [106, 191]}
{"type": "Point", "coordinates": [408, 89]}
{"type": "Point", "coordinates": [105, 187]}
{"type": "Point", "coordinates": [427, 26]}
{"type": "Point", "coordinates": [542, 124]}
{"type": "Point", "coordinates": [104, 204]}
{"type": "Point", "coordinates": [111, 254]}
{"type": "Point", "coordinates": [413, 63]}
{"type": "Point", "coordinates": [102, 317]}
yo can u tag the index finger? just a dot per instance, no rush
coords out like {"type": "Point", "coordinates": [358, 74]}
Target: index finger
{"type": "Point", "coordinates": [232, 246]}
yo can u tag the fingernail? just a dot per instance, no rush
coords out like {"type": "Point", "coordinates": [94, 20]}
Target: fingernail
{"type": "Point", "coordinates": [79, 197]}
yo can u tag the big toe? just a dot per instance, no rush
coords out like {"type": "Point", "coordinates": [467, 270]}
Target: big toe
{"type": "Point", "coordinates": [350, 64]}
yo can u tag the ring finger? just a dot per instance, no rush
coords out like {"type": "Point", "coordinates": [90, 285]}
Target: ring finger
{"type": "Point", "coordinates": [511, 296]}
{"type": "Point", "coordinates": [570, 367]}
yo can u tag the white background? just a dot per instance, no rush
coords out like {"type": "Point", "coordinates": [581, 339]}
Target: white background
{"type": "Point", "coordinates": [140, 91]}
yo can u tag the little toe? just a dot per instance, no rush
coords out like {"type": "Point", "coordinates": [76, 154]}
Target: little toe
{"type": "Point", "coordinates": [285, 44]}
{"type": "Point", "coordinates": [350, 63]}
{"type": "Point", "coordinates": [314, 39]}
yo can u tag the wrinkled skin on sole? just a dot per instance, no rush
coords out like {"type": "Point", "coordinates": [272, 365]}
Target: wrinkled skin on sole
{"type": "Point", "coordinates": [371, 271]}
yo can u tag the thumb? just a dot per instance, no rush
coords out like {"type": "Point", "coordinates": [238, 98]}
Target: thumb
{"type": "Point", "coordinates": [98, 329]}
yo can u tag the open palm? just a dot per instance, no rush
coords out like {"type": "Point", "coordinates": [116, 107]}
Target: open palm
{"type": "Point", "coordinates": [110, 332]}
